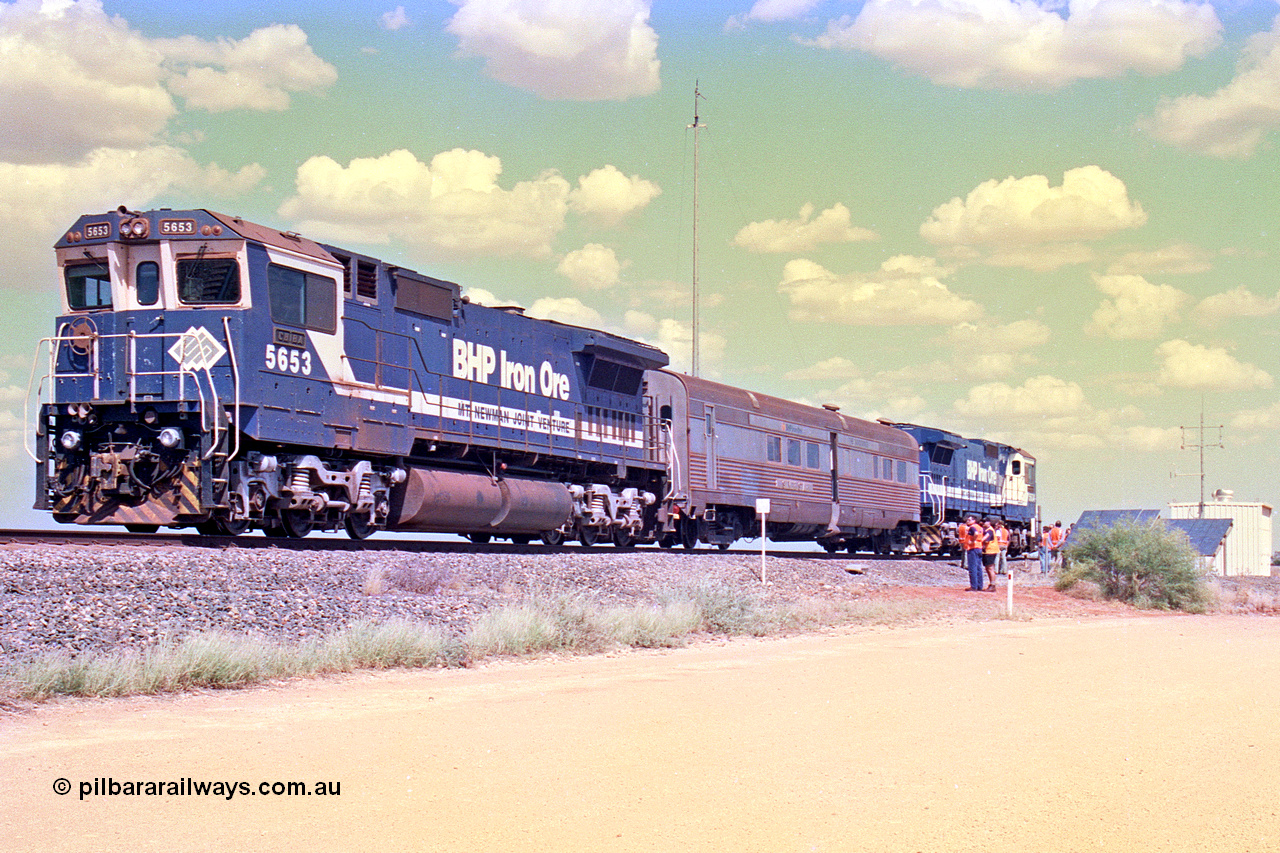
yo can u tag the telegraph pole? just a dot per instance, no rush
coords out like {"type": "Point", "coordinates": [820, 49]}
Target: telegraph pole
{"type": "Point", "coordinates": [695, 127]}
{"type": "Point", "coordinates": [1200, 445]}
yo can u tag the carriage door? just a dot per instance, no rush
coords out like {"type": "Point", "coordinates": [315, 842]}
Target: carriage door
{"type": "Point", "coordinates": [711, 447]}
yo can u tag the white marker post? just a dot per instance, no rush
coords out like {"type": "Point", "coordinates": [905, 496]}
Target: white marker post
{"type": "Point", "coordinates": [1008, 567]}
{"type": "Point", "coordinates": [762, 510]}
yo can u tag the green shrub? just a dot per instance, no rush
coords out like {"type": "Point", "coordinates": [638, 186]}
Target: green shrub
{"type": "Point", "coordinates": [1147, 565]}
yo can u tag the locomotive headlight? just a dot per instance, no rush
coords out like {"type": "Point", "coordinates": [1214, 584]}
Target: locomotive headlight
{"type": "Point", "coordinates": [149, 416]}
{"type": "Point", "coordinates": [138, 228]}
{"type": "Point", "coordinates": [170, 437]}
{"type": "Point", "coordinates": [70, 440]}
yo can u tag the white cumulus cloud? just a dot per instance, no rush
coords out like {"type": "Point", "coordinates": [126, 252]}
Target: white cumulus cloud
{"type": "Point", "coordinates": [906, 290]}
{"type": "Point", "coordinates": [1201, 368]}
{"type": "Point", "coordinates": [1137, 308]}
{"type": "Point", "coordinates": [1233, 121]}
{"type": "Point", "coordinates": [453, 205]}
{"type": "Point", "coordinates": [1091, 203]}
{"type": "Point", "coordinates": [1010, 44]}
{"type": "Point", "coordinates": [609, 196]}
{"type": "Point", "coordinates": [1039, 396]}
{"type": "Point", "coordinates": [579, 50]}
{"type": "Point", "coordinates": [1235, 303]}
{"type": "Point", "coordinates": [257, 72]}
{"type": "Point", "coordinates": [593, 267]}
{"type": "Point", "coordinates": [804, 234]}
{"type": "Point", "coordinates": [73, 79]}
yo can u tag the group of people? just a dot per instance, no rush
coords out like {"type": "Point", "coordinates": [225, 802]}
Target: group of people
{"type": "Point", "coordinates": [986, 550]}
{"type": "Point", "coordinates": [1051, 539]}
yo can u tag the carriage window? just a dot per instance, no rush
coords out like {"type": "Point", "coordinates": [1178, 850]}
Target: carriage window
{"type": "Point", "coordinates": [146, 280]}
{"type": "Point", "coordinates": [302, 299]}
{"type": "Point", "coordinates": [88, 286]}
{"type": "Point", "coordinates": [208, 281]}
{"type": "Point", "coordinates": [1015, 468]}
{"type": "Point", "coordinates": [793, 452]}
{"type": "Point", "coordinates": [773, 448]}
{"type": "Point", "coordinates": [813, 455]}
{"type": "Point", "coordinates": [902, 472]}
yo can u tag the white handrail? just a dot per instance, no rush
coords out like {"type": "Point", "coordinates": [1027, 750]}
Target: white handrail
{"type": "Point", "coordinates": [93, 371]}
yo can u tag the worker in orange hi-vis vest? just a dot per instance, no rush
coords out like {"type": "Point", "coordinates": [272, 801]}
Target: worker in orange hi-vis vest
{"type": "Point", "coordinates": [970, 536]}
{"type": "Point", "coordinates": [1002, 538]}
{"type": "Point", "coordinates": [990, 552]}
{"type": "Point", "coordinates": [1056, 536]}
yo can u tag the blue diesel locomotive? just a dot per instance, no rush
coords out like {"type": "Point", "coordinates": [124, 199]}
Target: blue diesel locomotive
{"type": "Point", "coordinates": [208, 371]}
{"type": "Point", "coordinates": [961, 476]}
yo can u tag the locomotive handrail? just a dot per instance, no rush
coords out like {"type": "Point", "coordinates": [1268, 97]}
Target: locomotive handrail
{"type": "Point", "coordinates": [93, 372]}
{"type": "Point", "coordinates": [235, 383]}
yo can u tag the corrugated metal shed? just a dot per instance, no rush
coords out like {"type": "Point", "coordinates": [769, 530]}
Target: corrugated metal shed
{"type": "Point", "coordinates": [1249, 548]}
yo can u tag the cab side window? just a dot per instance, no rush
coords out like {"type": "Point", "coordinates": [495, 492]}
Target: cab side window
{"type": "Point", "coordinates": [88, 286]}
{"type": "Point", "coordinates": [302, 299]}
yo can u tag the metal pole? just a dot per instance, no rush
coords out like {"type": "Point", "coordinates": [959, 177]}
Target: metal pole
{"type": "Point", "coordinates": [696, 126]}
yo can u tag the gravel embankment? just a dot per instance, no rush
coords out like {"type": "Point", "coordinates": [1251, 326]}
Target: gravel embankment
{"type": "Point", "coordinates": [80, 599]}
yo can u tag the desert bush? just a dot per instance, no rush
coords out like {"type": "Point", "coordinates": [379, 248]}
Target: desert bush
{"type": "Point", "coordinates": [1147, 565]}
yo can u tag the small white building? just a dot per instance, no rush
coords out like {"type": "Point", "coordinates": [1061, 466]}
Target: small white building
{"type": "Point", "coordinates": [1248, 545]}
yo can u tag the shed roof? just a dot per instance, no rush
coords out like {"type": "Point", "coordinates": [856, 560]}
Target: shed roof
{"type": "Point", "coordinates": [1206, 534]}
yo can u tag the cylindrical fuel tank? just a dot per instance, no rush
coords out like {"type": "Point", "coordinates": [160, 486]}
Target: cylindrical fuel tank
{"type": "Point", "coordinates": [456, 502]}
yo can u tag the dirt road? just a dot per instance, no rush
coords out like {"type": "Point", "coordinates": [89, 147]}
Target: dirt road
{"type": "Point", "coordinates": [1135, 734]}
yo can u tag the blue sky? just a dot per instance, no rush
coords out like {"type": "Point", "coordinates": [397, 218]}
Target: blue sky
{"type": "Point", "coordinates": [1051, 224]}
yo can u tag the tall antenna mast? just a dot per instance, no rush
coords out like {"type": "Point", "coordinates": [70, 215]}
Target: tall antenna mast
{"type": "Point", "coordinates": [1200, 445]}
{"type": "Point", "coordinates": [696, 126]}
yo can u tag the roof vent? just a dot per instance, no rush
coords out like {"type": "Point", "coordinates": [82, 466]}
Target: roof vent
{"type": "Point", "coordinates": [1224, 495]}
{"type": "Point", "coordinates": [831, 407]}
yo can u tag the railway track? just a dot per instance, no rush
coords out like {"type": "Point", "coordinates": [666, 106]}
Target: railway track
{"type": "Point", "coordinates": [74, 536]}
{"type": "Point", "coordinates": [101, 537]}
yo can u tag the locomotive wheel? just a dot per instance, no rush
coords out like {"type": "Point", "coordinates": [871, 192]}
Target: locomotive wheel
{"type": "Point", "coordinates": [689, 534]}
{"type": "Point", "coordinates": [233, 526]}
{"type": "Point", "coordinates": [667, 541]}
{"type": "Point", "coordinates": [479, 538]}
{"type": "Point", "coordinates": [359, 526]}
{"type": "Point", "coordinates": [223, 526]}
{"type": "Point", "coordinates": [142, 528]}
{"type": "Point", "coordinates": [553, 538]}
{"type": "Point", "coordinates": [296, 523]}
{"type": "Point", "coordinates": [588, 536]}
{"type": "Point", "coordinates": [622, 538]}
{"type": "Point", "coordinates": [522, 539]}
